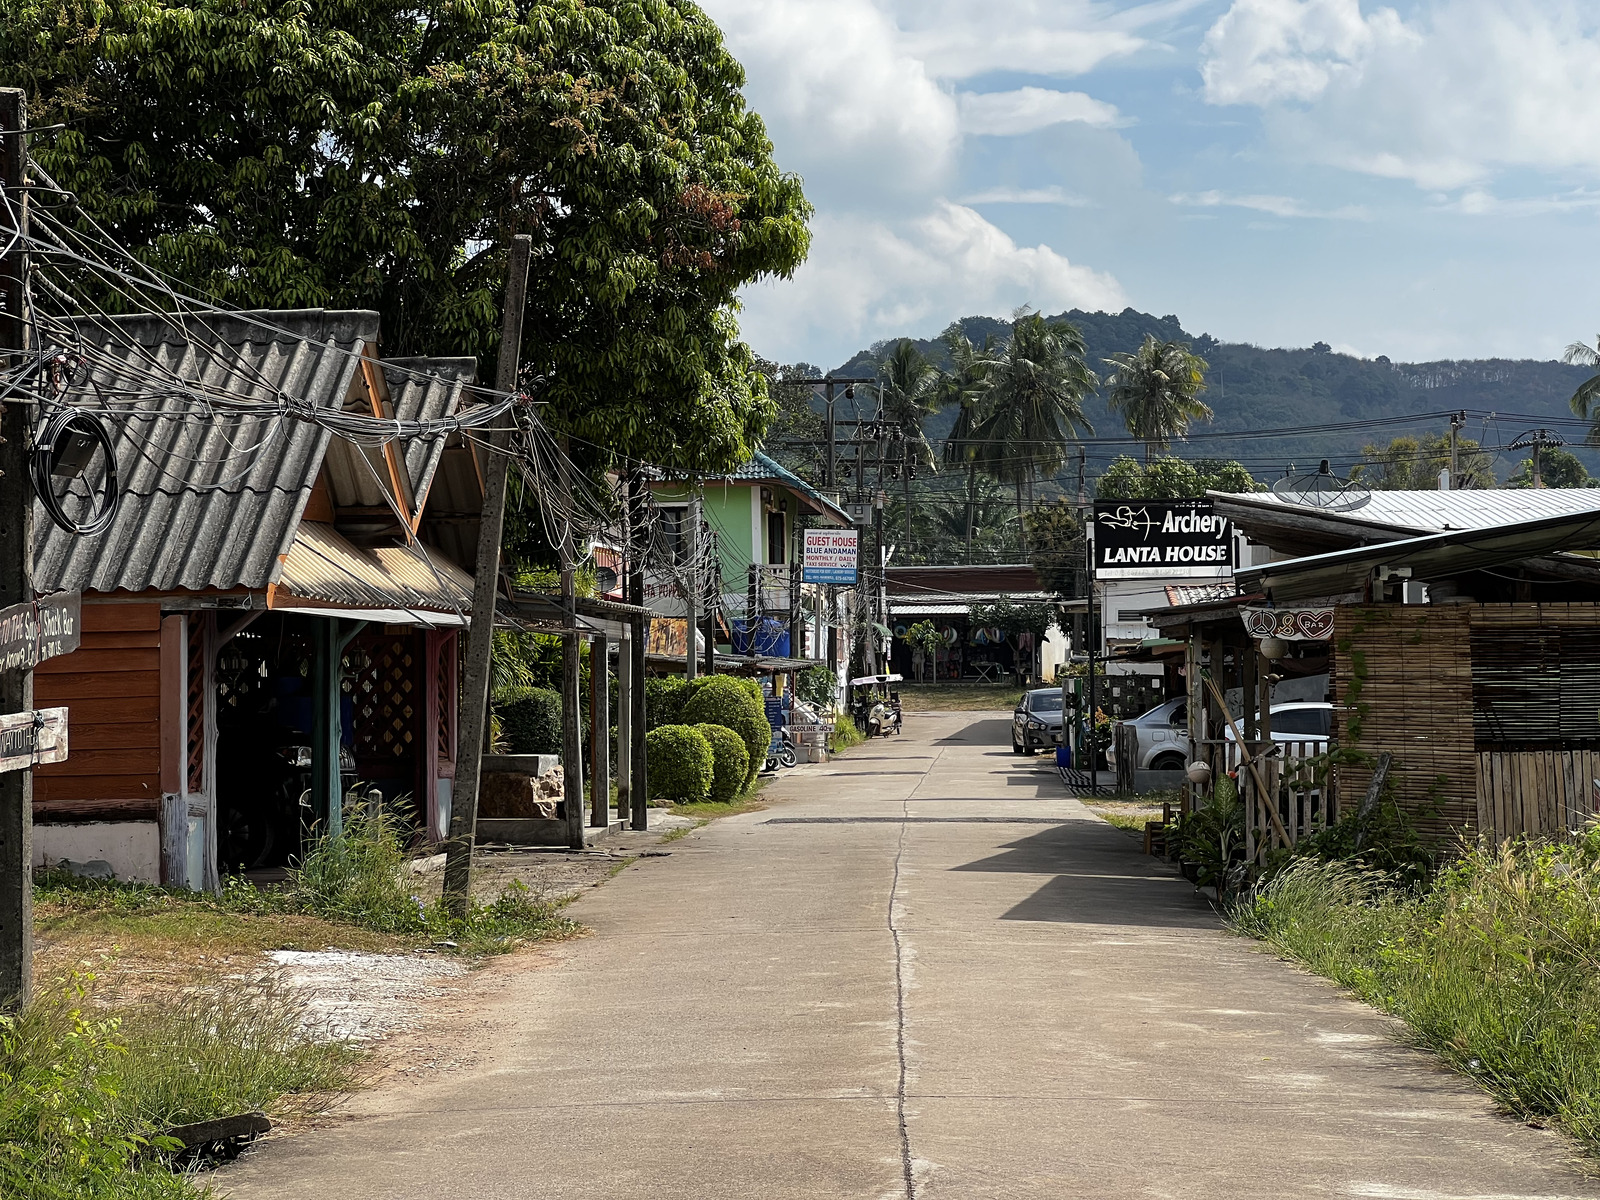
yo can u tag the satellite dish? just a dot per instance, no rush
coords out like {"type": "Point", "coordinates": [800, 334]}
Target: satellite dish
{"type": "Point", "coordinates": [1322, 489]}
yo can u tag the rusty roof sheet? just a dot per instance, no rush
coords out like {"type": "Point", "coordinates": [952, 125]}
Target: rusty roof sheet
{"type": "Point", "coordinates": [323, 565]}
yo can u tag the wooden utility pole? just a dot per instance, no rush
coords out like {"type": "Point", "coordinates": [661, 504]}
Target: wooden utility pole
{"type": "Point", "coordinates": [485, 586]}
{"type": "Point", "coordinates": [571, 692]}
{"type": "Point", "coordinates": [712, 592]}
{"type": "Point", "coordinates": [16, 563]}
{"type": "Point", "coordinates": [599, 731]}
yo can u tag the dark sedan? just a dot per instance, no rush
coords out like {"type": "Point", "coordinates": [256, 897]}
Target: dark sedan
{"type": "Point", "coordinates": [1036, 721]}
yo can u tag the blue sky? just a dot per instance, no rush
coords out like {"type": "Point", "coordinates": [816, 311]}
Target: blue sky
{"type": "Point", "coordinates": [1421, 180]}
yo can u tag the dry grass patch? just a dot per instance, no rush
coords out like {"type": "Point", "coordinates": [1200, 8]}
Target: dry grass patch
{"type": "Point", "coordinates": [953, 697]}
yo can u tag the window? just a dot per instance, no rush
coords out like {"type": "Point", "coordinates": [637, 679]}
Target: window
{"type": "Point", "coordinates": [1304, 722]}
{"type": "Point", "coordinates": [775, 538]}
{"type": "Point", "coordinates": [1041, 702]}
{"type": "Point", "coordinates": [1536, 689]}
{"type": "Point", "coordinates": [674, 532]}
{"type": "Point", "coordinates": [1179, 716]}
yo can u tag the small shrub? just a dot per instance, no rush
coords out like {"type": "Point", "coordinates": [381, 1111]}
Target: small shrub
{"type": "Point", "coordinates": [530, 721]}
{"type": "Point", "coordinates": [736, 704]}
{"type": "Point", "coordinates": [358, 877]}
{"type": "Point", "coordinates": [663, 701]}
{"type": "Point", "coordinates": [845, 733]}
{"type": "Point", "coordinates": [681, 763]}
{"type": "Point", "coordinates": [730, 762]}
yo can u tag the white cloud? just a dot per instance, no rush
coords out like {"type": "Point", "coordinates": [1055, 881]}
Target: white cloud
{"type": "Point", "coordinates": [1477, 202]}
{"type": "Point", "coordinates": [1277, 206]}
{"type": "Point", "coordinates": [1042, 195]}
{"type": "Point", "coordinates": [868, 279]}
{"type": "Point", "coordinates": [1447, 98]}
{"type": "Point", "coordinates": [1025, 110]}
{"type": "Point", "coordinates": [959, 39]}
{"type": "Point", "coordinates": [841, 97]}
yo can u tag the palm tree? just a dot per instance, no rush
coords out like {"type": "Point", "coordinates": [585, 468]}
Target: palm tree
{"type": "Point", "coordinates": [1156, 389]}
{"type": "Point", "coordinates": [908, 392]}
{"type": "Point", "coordinates": [966, 384]}
{"type": "Point", "coordinates": [1586, 400]}
{"type": "Point", "coordinates": [1037, 383]}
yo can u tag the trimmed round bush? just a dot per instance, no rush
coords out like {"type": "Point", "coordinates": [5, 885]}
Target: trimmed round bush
{"type": "Point", "coordinates": [681, 763]}
{"type": "Point", "coordinates": [530, 721]}
{"type": "Point", "coordinates": [736, 704]}
{"type": "Point", "coordinates": [731, 762]}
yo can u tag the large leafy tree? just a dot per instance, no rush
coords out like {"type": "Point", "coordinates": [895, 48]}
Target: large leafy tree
{"type": "Point", "coordinates": [1056, 548]}
{"type": "Point", "coordinates": [1157, 390]}
{"type": "Point", "coordinates": [380, 153]}
{"type": "Point", "coordinates": [1168, 478]}
{"type": "Point", "coordinates": [1036, 385]}
{"type": "Point", "coordinates": [1413, 464]}
{"type": "Point", "coordinates": [1558, 468]}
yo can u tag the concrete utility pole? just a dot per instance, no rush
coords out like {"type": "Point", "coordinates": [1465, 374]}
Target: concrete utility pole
{"type": "Point", "coordinates": [638, 646]}
{"type": "Point", "coordinates": [1457, 420]}
{"type": "Point", "coordinates": [485, 586]}
{"type": "Point", "coordinates": [713, 589]}
{"type": "Point", "coordinates": [16, 567]}
{"type": "Point", "coordinates": [691, 587]}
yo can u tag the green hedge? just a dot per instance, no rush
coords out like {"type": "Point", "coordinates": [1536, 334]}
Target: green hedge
{"type": "Point", "coordinates": [681, 763]}
{"type": "Point", "coordinates": [530, 721]}
{"type": "Point", "coordinates": [736, 704]}
{"type": "Point", "coordinates": [731, 762]}
{"type": "Point", "coordinates": [663, 700]}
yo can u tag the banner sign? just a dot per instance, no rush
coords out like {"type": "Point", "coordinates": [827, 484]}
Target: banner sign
{"type": "Point", "coordinates": [33, 632]}
{"type": "Point", "coordinates": [1161, 539]}
{"type": "Point", "coordinates": [27, 738]}
{"type": "Point", "coordinates": [830, 556]}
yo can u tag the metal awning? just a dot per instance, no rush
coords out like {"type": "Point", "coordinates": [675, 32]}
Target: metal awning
{"type": "Point", "coordinates": [1435, 556]}
{"type": "Point", "coordinates": [325, 573]}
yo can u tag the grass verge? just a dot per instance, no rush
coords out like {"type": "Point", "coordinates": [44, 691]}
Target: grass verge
{"type": "Point", "coordinates": [1496, 967]}
{"type": "Point", "coordinates": [954, 697]}
{"type": "Point", "coordinates": [85, 1097]}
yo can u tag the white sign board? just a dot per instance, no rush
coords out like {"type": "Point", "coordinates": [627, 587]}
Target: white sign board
{"type": "Point", "coordinates": [830, 556]}
{"type": "Point", "coordinates": [27, 738]}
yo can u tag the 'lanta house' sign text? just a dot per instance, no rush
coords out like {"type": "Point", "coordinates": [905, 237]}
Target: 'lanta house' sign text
{"type": "Point", "coordinates": [1161, 539]}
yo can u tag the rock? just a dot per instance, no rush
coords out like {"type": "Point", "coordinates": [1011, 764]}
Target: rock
{"type": "Point", "coordinates": [511, 794]}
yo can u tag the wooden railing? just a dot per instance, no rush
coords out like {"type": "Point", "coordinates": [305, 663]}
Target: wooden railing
{"type": "Point", "coordinates": [1298, 782]}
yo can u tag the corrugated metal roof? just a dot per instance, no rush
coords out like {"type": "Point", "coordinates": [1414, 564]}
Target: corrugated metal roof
{"type": "Point", "coordinates": [762, 468]}
{"type": "Point", "coordinates": [1441, 512]}
{"type": "Point", "coordinates": [322, 564]}
{"type": "Point", "coordinates": [207, 503]}
{"type": "Point", "coordinates": [215, 503]}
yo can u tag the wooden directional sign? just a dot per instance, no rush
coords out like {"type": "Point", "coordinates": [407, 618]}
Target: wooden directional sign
{"type": "Point", "coordinates": [27, 738]}
{"type": "Point", "coordinates": [31, 633]}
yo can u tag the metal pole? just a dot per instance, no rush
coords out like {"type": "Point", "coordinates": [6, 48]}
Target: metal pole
{"type": "Point", "coordinates": [16, 569]}
{"type": "Point", "coordinates": [480, 634]}
{"type": "Point", "coordinates": [690, 587]}
{"type": "Point", "coordinates": [1092, 642]}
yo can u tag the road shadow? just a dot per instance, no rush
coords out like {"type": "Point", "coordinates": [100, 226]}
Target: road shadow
{"type": "Point", "coordinates": [1099, 878]}
{"type": "Point", "coordinates": [993, 731]}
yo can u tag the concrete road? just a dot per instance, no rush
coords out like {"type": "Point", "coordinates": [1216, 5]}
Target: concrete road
{"type": "Point", "coordinates": [924, 972]}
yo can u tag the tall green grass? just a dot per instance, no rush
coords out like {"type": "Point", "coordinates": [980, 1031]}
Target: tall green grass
{"type": "Point", "coordinates": [85, 1096]}
{"type": "Point", "coordinates": [1496, 967]}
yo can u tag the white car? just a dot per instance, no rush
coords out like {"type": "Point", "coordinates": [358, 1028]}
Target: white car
{"type": "Point", "coordinates": [1164, 732]}
{"type": "Point", "coordinates": [1302, 722]}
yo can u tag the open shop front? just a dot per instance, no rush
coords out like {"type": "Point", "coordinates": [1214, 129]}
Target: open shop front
{"type": "Point", "coordinates": [968, 653]}
{"type": "Point", "coordinates": [289, 689]}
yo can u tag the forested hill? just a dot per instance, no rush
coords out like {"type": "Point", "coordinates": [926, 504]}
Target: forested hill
{"type": "Point", "coordinates": [1253, 390]}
